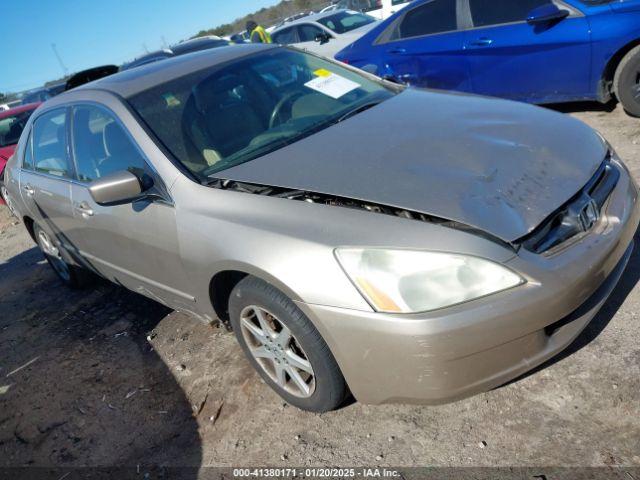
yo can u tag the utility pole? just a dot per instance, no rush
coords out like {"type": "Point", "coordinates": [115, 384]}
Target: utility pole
{"type": "Point", "coordinates": [65, 70]}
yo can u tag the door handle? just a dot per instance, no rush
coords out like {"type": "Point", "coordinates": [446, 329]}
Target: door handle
{"type": "Point", "coordinates": [29, 189]}
{"type": "Point", "coordinates": [84, 209]}
{"type": "Point", "coordinates": [397, 51]}
{"type": "Point", "coordinates": [482, 42]}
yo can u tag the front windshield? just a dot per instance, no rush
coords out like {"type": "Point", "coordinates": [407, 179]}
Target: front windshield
{"type": "Point", "coordinates": [220, 117]}
{"type": "Point", "coordinates": [11, 127]}
{"type": "Point", "coordinates": [343, 22]}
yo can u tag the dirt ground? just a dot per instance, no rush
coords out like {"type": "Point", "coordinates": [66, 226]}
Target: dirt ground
{"type": "Point", "coordinates": [105, 377]}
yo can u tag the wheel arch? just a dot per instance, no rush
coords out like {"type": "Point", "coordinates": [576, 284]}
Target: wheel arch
{"type": "Point", "coordinates": [605, 90]}
{"type": "Point", "coordinates": [228, 275]}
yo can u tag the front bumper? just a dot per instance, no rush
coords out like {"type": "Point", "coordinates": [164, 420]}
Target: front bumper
{"type": "Point", "coordinates": [441, 356]}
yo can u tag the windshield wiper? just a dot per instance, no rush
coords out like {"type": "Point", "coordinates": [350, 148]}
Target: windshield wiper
{"type": "Point", "coordinates": [357, 110]}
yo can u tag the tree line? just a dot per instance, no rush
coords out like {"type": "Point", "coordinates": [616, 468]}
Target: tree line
{"type": "Point", "coordinates": [266, 16]}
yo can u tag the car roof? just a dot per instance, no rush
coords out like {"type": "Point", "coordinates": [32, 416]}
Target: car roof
{"type": "Point", "coordinates": [19, 109]}
{"type": "Point", "coordinates": [312, 18]}
{"type": "Point", "coordinates": [136, 80]}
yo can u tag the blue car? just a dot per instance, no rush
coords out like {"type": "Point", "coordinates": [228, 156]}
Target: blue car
{"type": "Point", "coordinates": [537, 51]}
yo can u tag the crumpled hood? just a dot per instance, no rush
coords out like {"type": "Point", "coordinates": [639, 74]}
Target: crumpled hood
{"type": "Point", "coordinates": [499, 166]}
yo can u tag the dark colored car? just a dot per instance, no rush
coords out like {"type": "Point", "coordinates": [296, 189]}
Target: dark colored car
{"type": "Point", "coordinates": [89, 75]}
{"type": "Point", "coordinates": [12, 122]}
{"type": "Point", "coordinates": [538, 51]}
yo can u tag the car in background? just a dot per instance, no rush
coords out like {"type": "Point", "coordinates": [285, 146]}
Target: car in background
{"type": "Point", "coordinates": [150, 57]}
{"type": "Point", "coordinates": [380, 9]}
{"type": "Point", "coordinates": [182, 48]}
{"type": "Point", "coordinates": [537, 51]}
{"type": "Point", "coordinates": [12, 123]}
{"type": "Point", "coordinates": [197, 44]}
{"type": "Point", "coordinates": [240, 37]}
{"type": "Point", "coordinates": [471, 248]}
{"type": "Point", "coordinates": [325, 33]}
{"type": "Point", "coordinates": [43, 94]}
{"type": "Point", "coordinates": [57, 89]}
{"type": "Point", "coordinates": [89, 75]}
{"type": "Point", "coordinates": [37, 95]}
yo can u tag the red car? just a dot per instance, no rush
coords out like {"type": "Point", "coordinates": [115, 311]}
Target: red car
{"type": "Point", "coordinates": [12, 122]}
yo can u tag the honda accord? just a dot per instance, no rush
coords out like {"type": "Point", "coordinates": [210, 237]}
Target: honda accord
{"type": "Point", "coordinates": [400, 244]}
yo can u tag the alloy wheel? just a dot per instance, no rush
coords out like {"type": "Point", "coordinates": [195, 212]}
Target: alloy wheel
{"type": "Point", "coordinates": [277, 351]}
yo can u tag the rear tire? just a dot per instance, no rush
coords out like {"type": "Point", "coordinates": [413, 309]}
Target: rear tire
{"type": "Point", "coordinates": [71, 275]}
{"type": "Point", "coordinates": [284, 347]}
{"type": "Point", "coordinates": [626, 82]}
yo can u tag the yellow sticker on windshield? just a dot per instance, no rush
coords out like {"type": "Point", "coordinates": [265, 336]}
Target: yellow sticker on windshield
{"type": "Point", "coordinates": [321, 72]}
{"type": "Point", "coordinates": [171, 100]}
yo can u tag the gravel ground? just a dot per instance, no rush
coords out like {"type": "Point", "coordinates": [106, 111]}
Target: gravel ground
{"type": "Point", "coordinates": [111, 378]}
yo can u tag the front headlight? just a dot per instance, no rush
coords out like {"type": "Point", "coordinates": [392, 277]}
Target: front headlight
{"type": "Point", "coordinates": [410, 281]}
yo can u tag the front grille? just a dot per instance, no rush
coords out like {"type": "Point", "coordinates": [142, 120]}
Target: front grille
{"type": "Point", "coordinates": [578, 215]}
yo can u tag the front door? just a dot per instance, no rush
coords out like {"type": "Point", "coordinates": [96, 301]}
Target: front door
{"type": "Point", "coordinates": [541, 63]}
{"type": "Point", "coordinates": [134, 244]}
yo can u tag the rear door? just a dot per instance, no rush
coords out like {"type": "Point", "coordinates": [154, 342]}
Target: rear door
{"type": "Point", "coordinates": [136, 243]}
{"type": "Point", "coordinates": [540, 63]}
{"type": "Point", "coordinates": [46, 173]}
{"type": "Point", "coordinates": [424, 47]}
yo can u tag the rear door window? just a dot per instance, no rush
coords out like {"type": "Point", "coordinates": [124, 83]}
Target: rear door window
{"type": "Point", "coordinates": [101, 145]}
{"type": "Point", "coordinates": [343, 22]}
{"type": "Point", "coordinates": [50, 144]}
{"type": "Point", "coordinates": [496, 12]}
{"type": "Point", "coordinates": [308, 32]}
{"type": "Point", "coordinates": [438, 16]}
{"type": "Point", "coordinates": [285, 36]}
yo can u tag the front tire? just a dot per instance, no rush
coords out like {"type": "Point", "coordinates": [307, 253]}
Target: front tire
{"type": "Point", "coordinates": [71, 275]}
{"type": "Point", "coordinates": [626, 82]}
{"type": "Point", "coordinates": [284, 347]}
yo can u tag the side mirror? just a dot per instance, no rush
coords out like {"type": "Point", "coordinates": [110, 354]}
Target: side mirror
{"type": "Point", "coordinates": [322, 38]}
{"type": "Point", "coordinates": [546, 14]}
{"type": "Point", "coordinates": [118, 187]}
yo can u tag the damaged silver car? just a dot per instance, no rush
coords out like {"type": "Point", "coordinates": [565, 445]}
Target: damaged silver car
{"type": "Point", "coordinates": [403, 245]}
